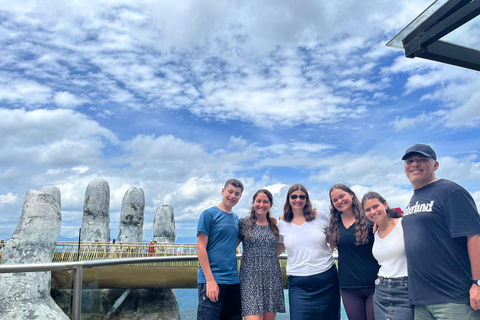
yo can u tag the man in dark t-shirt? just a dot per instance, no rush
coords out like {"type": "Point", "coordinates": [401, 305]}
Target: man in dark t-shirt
{"type": "Point", "coordinates": [442, 242]}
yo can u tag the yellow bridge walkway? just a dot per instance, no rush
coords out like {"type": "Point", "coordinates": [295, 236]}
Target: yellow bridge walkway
{"type": "Point", "coordinates": [179, 274]}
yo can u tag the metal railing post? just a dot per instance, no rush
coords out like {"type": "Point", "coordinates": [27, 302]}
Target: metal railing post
{"type": "Point", "coordinates": [77, 294]}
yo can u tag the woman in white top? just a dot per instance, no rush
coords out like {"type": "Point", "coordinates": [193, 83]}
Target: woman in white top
{"type": "Point", "coordinates": [391, 292]}
{"type": "Point", "coordinates": [312, 275]}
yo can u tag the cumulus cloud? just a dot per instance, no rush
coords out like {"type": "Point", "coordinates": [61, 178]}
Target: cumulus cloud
{"type": "Point", "coordinates": [253, 62]}
{"type": "Point", "coordinates": [271, 92]}
{"type": "Point", "coordinates": [50, 137]}
{"type": "Point", "coordinates": [459, 169]}
{"type": "Point", "coordinates": [405, 123]}
{"type": "Point", "coordinates": [8, 198]}
{"type": "Point", "coordinates": [364, 169]}
{"type": "Point", "coordinates": [18, 90]}
{"type": "Point", "coordinates": [67, 100]}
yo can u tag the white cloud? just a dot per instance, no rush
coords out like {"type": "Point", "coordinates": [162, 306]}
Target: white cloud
{"type": "Point", "coordinates": [272, 92]}
{"type": "Point", "coordinates": [22, 90]}
{"type": "Point", "coordinates": [8, 198]}
{"type": "Point", "coordinates": [364, 169]}
{"type": "Point", "coordinates": [459, 169]}
{"type": "Point", "coordinates": [50, 137]}
{"type": "Point", "coordinates": [253, 62]}
{"type": "Point", "coordinates": [67, 100]}
{"type": "Point", "coordinates": [403, 123]}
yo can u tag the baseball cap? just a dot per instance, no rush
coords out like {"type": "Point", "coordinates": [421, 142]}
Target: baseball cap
{"type": "Point", "coordinates": [423, 149]}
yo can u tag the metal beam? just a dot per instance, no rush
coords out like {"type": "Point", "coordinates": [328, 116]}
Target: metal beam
{"type": "Point", "coordinates": [77, 294]}
{"type": "Point", "coordinates": [415, 47]}
{"type": "Point", "coordinates": [434, 18]}
{"type": "Point", "coordinates": [447, 53]}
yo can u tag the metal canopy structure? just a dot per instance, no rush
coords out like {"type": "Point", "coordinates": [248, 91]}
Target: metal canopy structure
{"type": "Point", "coordinates": [448, 31]}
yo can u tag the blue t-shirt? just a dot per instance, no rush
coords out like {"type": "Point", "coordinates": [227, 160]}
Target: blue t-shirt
{"type": "Point", "coordinates": [222, 230]}
{"type": "Point", "coordinates": [436, 224]}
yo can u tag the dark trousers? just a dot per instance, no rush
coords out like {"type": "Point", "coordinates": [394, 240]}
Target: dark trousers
{"type": "Point", "coordinates": [315, 297]}
{"type": "Point", "coordinates": [227, 307]}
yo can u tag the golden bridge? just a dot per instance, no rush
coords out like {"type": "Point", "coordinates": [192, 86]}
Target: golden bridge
{"type": "Point", "coordinates": [88, 265]}
{"type": "Point", "coordinates": [170, 274]}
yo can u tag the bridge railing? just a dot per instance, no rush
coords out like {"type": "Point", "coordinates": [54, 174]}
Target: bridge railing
{"type": "Point", "coordinates": [73, 251]}
{"type": "Point", "coordinates": [79, 266]}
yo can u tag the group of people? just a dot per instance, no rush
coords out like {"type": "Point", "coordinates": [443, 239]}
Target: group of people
{"type": "Point", "coordinates": [422, 265]}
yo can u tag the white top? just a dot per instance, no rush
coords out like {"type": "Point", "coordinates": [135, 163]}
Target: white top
{"type": "Point", "coordinates": [390, 253]}
{"type": "Point", "coordinates": [308, 253]}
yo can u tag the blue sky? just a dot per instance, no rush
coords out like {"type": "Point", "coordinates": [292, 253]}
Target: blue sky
{"type": "Point", "coordinates": [176, 97]}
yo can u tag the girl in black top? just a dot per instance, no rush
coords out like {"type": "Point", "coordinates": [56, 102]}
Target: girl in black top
{"type": "Point", "coordinates": [351, 234]}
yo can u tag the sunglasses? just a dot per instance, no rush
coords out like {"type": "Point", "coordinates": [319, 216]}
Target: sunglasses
{"type": "Point", "coordinates": [295, 196]}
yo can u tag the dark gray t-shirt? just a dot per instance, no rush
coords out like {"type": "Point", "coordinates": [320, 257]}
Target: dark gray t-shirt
{"type": "Point", "coordinates": [436, 224]}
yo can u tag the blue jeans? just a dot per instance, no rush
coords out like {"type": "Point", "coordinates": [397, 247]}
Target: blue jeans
{"type": "Point", "coordinates": [390, 300]}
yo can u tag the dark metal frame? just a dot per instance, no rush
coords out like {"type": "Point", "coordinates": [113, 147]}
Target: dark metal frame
{"type": "Point", "coordinates": [423, 41]}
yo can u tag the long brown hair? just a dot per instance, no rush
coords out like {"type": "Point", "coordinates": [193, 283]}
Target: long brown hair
{"type": "Point", "coordinates": [252, 218]}
{"type": "Point", "coordinates": [361, 230]}
{"type": "Point", "coordinates": [308, 211]}
{"type": "Point", "coordinates": [391, 213]}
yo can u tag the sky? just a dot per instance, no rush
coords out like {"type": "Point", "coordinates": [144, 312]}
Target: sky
{"type": "Point", "coordinates": [176, 97]}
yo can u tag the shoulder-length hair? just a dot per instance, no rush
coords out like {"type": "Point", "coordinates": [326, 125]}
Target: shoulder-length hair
{"type": "Point", "coordinates": [391, 213]}
{"type": "Point", "coordinates": [361, 230]}
{"type": "Point", "coordinates": [252, 218]}
{"type": "Point", "coordinates": [308, 211]}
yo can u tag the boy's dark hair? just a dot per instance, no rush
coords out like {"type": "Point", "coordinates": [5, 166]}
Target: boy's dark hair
{"type": "Point", "coordinates": [234, 182]}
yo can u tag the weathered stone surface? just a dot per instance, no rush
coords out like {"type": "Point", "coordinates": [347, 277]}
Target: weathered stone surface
{"type": "Point", "coordinates": [164, 224]}
{"type": "Point", "coordinates": [54, 192]}
{"type": "Point", "coordinates": [27, 295]}
{"type": "Point", "coordinates": [141, 304]}
{"type": "Point", "coordinates": [146, 304]}
{"type": "Point", "coordinates": [131, 216]}
{"type": "Point", "coordinates": [96, 212]}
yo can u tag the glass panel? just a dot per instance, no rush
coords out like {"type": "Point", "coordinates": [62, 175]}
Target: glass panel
{"type": "Point", "coordinates": [61, 290]}
{"type": "Point", "coordinates": [467, 35]}
{"type": "Point", "coordinates": [396, 42]}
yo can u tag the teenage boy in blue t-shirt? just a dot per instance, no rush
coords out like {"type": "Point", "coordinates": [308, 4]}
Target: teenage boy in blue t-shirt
{"type": "Point", "coordinates": [218, 281]}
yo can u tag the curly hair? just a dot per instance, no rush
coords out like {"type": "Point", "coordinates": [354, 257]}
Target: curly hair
{"type": "Point", "coordinates": [361, 230]}
{"type": "Point", "coordinates": [391, 213]}
{"type": "Point", "coordinates": [308, 211]}
{"type": "Point", "coordinates": [252, 218]}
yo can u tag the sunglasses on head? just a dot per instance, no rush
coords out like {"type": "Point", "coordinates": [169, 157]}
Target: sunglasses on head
{"type": "Point", "coordinates": [295, 196]}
